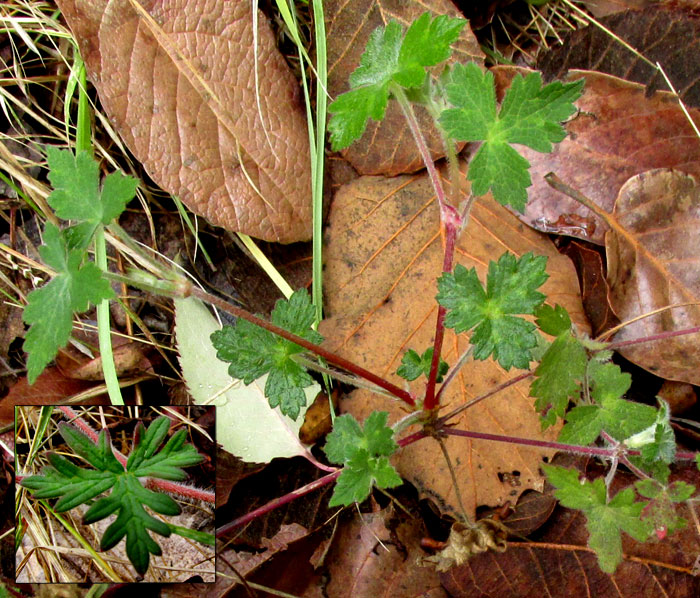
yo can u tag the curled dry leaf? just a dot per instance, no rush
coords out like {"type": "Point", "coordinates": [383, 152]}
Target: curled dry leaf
{"type": "Point", "coordinates": [176, 78]}
{"type": "Point", "coordinates": [653, 263]}
{"type": "Point", "coordinates": [386, 147]}
{"type": "Point", "coordinates": [384, 254]}
{"type": "Point", "coordinates": [618, 133]}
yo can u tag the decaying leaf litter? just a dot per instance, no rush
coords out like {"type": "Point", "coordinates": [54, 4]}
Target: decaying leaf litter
{"type": "Point", "coordinates": [670, 124]}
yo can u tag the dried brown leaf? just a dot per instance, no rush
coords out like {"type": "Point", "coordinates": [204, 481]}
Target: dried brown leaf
{"type": "Point", "coordinates": [618, 133]}
{"type": "Point", "coordinates": [367, 561]}
{"type": "Point", "coordinates": [667, 36]}
{"type": "Point", "coordinates": [653, 263]}
{"type": "Point", "coordinates": [386, 147]}
{"type": "Point", "coordinates": [177, 80]}
{"type": "Point", "coordinates": [384, 254]}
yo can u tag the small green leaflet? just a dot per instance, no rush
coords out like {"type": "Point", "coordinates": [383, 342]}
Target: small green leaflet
{"type": "Point", "coordinates": [604, 520]}
{"type": "Point", "coordinates": [562, 367]}
{"type": "Point", "coordinates": [253, 351]}
{"type": "Point", "coordinates": [660, 511]}
{"type": "Point", "coordinates": [50, 309]}
{"type": "Point", "coordinates": [530, 115]}
{"type": "Point", "coordinates": [389, 59]}
{"type": "Point", "coordinates": [77, 196]}
{"type": "Point", "coordinates": [76, 486]}
{"type": "Point", "coordinates": [616, 416]}
{"type": "Point", "coordinates": [510, 289]}
{"type": "Point", "coordinates": [414, 365]}
{"type": "Point", "coordinates": [364, 453]}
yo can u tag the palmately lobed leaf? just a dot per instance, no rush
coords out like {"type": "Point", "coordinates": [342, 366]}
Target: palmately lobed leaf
{"type": "Point", "coordinates": [511, 288]}
{"type": "Point", "coordinates": [530, 115]}
{"type": "Point", "coordinates": [253, 352]}
{"type": "Point", "coordinates": [364, 453]}
{"type": "Point", "coordinates": [49, 310]}
{"type": "Point", "coordinates": [390, 58]}
{"type": "Point", "coordinates": [604, 519]}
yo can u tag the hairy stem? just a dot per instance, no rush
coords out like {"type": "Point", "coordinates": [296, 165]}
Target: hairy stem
{"type": "Point", "coordinates": [277, 502]}
{"type": "Point", "coordinates": [593, 451]}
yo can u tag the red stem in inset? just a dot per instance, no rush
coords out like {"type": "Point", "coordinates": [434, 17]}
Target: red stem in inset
{"type": "Point", "coordinates": [330, 357]}
{"type": "Point", "coordinates": [166, 486]}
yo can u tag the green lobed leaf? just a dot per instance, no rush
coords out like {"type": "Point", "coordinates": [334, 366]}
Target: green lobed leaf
{"type": "Point", "coordinates": [77, 196]}
{"type": "Point", "coordinates": [253, 352]}
{"type": "Point", "coordinates": [389, 58]}
{"type": "Point", "coordinates": [604, 519]}
{"type": "Point", "coordinates": [558, 376]}
{"type": "Point", "coordinates": [414, 365]}
{"type": "Point", "coordinates": [530, 115]}
{"type": "Point", "coordinates": [358, 476]}
{"type": "Point", "coordinates": [49, 310]}
{"type": "Point", "coordinates": [510, 289]}
{"type": "Point", "coordinates": [364, 453]}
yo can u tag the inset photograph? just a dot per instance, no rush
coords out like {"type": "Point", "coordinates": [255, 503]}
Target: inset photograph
{"type": "Point", "coordinates": [115, 494]}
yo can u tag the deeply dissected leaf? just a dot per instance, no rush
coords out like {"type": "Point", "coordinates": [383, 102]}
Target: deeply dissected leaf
{"type": "Point", "coordinates": [181, 77]}
{"type": "Point", "coordinates": [530, 115]}
{"type": "Point", "coordinates": [391, 57]}
{"type": "Point", "coordinates": [49, 310]}
{"type": "Point", "coordinates": [364, 453]}
{"type": "Point", "coordinates": [510, 289]}
{"type": "Point", "coordinates": [76, 486]}
{"type": "Point", "coordinates": [386, 147]}
{"type": "Point", "coordinates": [245, 424]}
{"type": "Point", "coordinates": [253, 351]}
{"type": "Point", "coordinates": [383, 255]}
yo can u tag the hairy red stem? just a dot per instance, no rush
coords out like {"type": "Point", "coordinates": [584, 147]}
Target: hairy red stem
{"type": "Point", "coordinates": [654, 337]}
{"type": "Point", "coordinates": [277, 502]}
{"type": "Point", "coordinates": [330, 357]}
{"type": "Point", "coordinates": [569, 448]}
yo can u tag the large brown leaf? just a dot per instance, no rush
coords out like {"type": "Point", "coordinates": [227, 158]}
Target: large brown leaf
{"type": "Point", "coordinates": [654, 262]}
{"type": "Point", "coordinates": [383, 256]}
{"type": "Point", "coordinates": [386, 147]}
{"type": "Point", "coordinates": [178, 84]}
{"type": "Point", "coordinates": [618, 133]}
